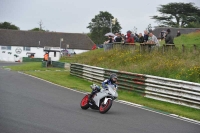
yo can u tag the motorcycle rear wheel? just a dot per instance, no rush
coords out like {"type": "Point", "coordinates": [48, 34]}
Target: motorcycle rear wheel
{"type": "Point", "coordinates": [85, 102]}
{"type": "Point", "coordinates": [105, 107]}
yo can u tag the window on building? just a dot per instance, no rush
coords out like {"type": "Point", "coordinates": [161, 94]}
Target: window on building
{"type": "Point", "coordinates": [54, 54]}
{"type": "Point", "coordinates": [5, 47]}
{"type": "Point", "coordinates": [27, 49]}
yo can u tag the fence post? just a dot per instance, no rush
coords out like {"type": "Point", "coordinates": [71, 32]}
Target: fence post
{"type": "Point", "coordinates": [163, 48]}
{"type": "Point", "coordinates": [195, 47]}
{"type": "Point", "coordinates": [183, 48]}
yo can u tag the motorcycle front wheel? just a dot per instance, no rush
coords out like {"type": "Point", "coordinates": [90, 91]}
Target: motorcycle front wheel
{"type": "Point", "coordinates": [84, 102]}
{"type": "Point", "coordinates": [105, 107]}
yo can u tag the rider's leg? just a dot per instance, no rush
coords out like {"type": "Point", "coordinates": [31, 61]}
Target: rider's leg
{"type": "Point", "coordinates": [92, 94]}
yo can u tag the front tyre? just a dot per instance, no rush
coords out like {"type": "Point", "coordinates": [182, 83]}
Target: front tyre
{"type": "Point", "coordinates": [85, 102]}
{"type": "Point", "coordinates": [105, 107]}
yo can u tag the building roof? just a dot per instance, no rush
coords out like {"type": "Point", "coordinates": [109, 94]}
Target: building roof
{"type": "Point", "coordinates": [41, 39]}
{"type": "Point", "coordinates": [158, 30]}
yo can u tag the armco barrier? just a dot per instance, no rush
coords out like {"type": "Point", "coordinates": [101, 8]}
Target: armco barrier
{"type": "Point", "coordinates": [58, 64]}
{"type": "Point", "coordinates": [164, 89]}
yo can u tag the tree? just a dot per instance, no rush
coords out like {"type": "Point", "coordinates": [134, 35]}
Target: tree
{"type": "Point", "coordinates": [177, 14]}
{"type": "Point", "coordinates": [40, 24]}
{"type": "Point", "coordinates": [149, 27]}
{"type": "Point", "coordinates": [40, 27]}
{"type": "Point", "coordinates": [7, 25]}
{"type": "Point", "coordinates": [36, 29]}
{"type": "Point", "coordinates": [193, 25]}
{"type": "Point", "coordinates": [100, 25]}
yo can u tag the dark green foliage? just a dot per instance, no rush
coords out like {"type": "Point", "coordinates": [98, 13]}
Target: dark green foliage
{"type": "Point", "coordinates": [7, 25]}
{"type": "Point", "coordinates": [100, 25]}
{"type": "Point", "coordinates": [182, 13]}
{"type": "Point", "coordinates": [37, 29]}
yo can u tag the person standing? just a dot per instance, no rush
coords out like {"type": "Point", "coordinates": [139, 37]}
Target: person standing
{"type": "Point", "coordinates": [129, 38]}
{"type": "Point", "coordinates": [146, 36]}
{"type": "Point", "coordinates": [153, 39]}
{"type": "Point", "coordinates": [169, 39]}
{"type": "Point", "coordinates": [118, 38]}
{"type": "Point", "coordinates": [123, 37]}
{"type": "Point", "coordinates": [46, 56]}
{"type": "Point", "coordinates": [141, 38]}
{"type": "Point", "coordinates": [178, 33]}
{"type": "Point", "coordinates": [110, 40]}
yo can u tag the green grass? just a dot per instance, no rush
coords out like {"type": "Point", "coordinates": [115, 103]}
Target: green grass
{"type": "Point", "coordinates": [73, 82]}
{"type": "Point", "coordinates": [32, 66]}
{"type": "Point", "coordinates": [188, 39]}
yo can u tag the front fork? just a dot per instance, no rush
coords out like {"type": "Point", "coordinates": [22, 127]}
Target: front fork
{"type": "Point", "coordinates": [106, 100]}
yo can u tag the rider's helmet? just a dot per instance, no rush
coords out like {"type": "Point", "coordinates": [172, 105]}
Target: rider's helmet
{"type": "Point", "coordinates": [113, 78]}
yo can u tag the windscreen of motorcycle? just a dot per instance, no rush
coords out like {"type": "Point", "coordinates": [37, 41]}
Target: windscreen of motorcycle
{"type": "Point", "coordinates": [113, 90]}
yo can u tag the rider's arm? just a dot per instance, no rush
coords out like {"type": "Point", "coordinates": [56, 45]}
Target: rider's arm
{"type": "Point", "coordinates": [104, 84]}
{"type": "Point", "coordinates": [116, 86]}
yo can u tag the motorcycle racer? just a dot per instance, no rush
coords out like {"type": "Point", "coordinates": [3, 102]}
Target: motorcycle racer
{"type": "Point", "coordinates": [111, 81]}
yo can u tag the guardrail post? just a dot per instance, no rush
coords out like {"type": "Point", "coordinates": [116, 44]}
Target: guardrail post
{"type": "Point", "coordinates": [195, 48]}
{"type": "Point", "coordinates": [163, 48]}
{"type": "Point", "coordinates": [183, 48]}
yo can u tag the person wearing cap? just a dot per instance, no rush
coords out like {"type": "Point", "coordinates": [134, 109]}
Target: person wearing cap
{"type": "Point", "coordinates": [168, 38]}
{"type": "Point", "coordinates": [129, 38]}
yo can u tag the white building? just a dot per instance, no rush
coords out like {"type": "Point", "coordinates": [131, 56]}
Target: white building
{"type": "Point", "coordinates": [16, 44]}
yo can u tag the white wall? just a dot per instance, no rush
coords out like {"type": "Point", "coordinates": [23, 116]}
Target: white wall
{"type": "Point", "coordinates": [39, 53]}
{"type": "Point", "coordinates": [78, 51]}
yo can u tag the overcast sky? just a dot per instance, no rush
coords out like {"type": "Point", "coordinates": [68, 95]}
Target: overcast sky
{"type": "Point", "coordinates": [73, 16]}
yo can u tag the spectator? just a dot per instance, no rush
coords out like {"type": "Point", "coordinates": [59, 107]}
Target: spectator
{"type": "Point", "coordinates": [116, 34]}
{"type": "Point", "coordinates": [129, 38]}
{"type": "Point", "coordinates": [32, 56]}
{"type": "Point", "coordinates": [46, 56]}
{"type": "Point", "coordinates": [153, 39]}
{"type": "Point", "coordinates": [169, 39]}
{"type": "Point", "coordinates": [162, 34]}
{"type": "Point", "coordinates": [93, 47]}
{"type": "Point", "coordinates": [118, 38]}
{"type": "Point", "coordinates": [110, 40]}
{"type": "Point", "coordinates": [123, 37]}
{"type": "Point", "coordinates": [178, 33]}
{"type": "Point", "coordinates": [136, 38]}
{"type": "Point", "coordinates": [145, 36]}
{"type": "Point", "coordinates": [141, 38]}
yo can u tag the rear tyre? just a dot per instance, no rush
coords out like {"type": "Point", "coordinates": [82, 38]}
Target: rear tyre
{"type": "Point", "coordinates": [105, 107]}
{"type": "Point", "coordinates": [85, 102]}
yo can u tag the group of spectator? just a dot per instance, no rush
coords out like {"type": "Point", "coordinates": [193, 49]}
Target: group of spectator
{"type": "Point", "coordinates": [147, 37]}
{"type": "Point", "coordinates": [118, 37]}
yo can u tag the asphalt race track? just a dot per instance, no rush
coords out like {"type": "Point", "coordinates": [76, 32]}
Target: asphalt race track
{"type": "Point", "coordinates": [31, 105]}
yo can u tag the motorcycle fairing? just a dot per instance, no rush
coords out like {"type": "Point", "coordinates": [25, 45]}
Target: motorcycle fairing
{"type": "Point", "coordinates": [98, 96]}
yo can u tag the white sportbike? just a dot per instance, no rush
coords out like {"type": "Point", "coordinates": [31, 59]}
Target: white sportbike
{"type": "Point", "coordinates": [102, 100]}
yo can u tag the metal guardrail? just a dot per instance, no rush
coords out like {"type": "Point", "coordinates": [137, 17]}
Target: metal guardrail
{"type": "Point", "coordinates": [58, 64]}
{"type": "Point", "coordinates": [164, 89]}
